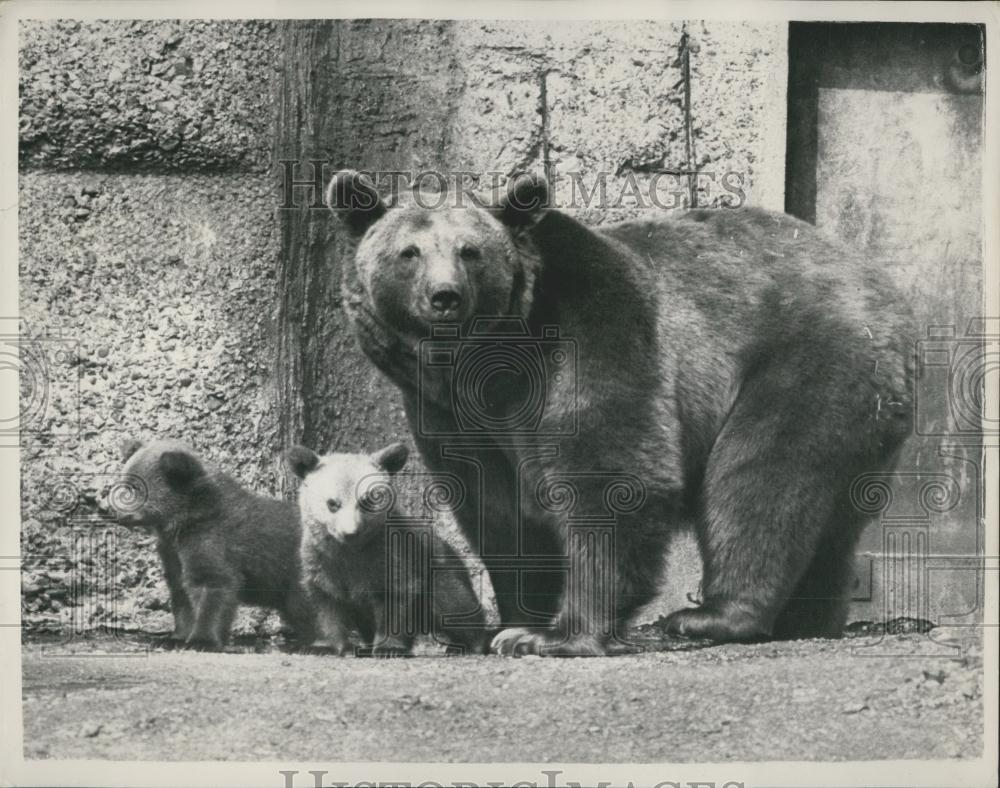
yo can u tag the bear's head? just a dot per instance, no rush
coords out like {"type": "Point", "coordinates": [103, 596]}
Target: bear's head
{"type": "Point", "coordinates": [173, 482]}
{"type": "Point", "coordinates": [342, 495]}
{"type": "Point", "coordinates": [447, 258]}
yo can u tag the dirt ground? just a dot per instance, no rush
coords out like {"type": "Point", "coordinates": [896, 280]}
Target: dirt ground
{"type": "Point", "coordinates": [872, 697]}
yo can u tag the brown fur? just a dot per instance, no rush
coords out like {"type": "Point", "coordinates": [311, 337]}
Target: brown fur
{"type": "Point", "coordinates": [359, 577]}
{"type": "Point", "coordinates": [742, 365]}
{"type": "Point", "coordinates": [221, 545]}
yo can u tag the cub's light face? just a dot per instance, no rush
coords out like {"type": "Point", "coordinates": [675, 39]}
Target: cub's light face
{"type": "Point", "coordinates": [343, 495]}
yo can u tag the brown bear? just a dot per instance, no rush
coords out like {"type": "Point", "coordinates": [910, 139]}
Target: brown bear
{"type": "Point", "coordinates": [737, 363]}
{"type": "Point", "coordinates": [360, 576]}
{"type": "Point", "coordinates": [221, 545]}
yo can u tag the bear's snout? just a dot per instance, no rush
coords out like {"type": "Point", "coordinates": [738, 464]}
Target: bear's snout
{"type": "Point", "coordinates": [446, 293]}
{"type": "Point", "coordinates": [446, 300]}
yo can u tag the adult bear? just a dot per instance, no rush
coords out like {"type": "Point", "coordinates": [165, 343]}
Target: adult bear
{"type": "Point", "coordinates": [745, 368]}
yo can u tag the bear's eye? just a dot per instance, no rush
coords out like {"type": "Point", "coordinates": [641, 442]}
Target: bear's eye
{"type": "Point", "coordinates": [410, 252]}
{"type": "Point", "coordinates": [333, 505]}
{"type": "Point", "coordinates": [468, 252]}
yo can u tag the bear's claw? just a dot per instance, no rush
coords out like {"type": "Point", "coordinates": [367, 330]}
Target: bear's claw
{"type": "Point", "coordinates": [521, 641]}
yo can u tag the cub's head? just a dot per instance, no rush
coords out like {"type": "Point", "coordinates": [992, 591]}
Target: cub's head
{"type": "Point", "coordinates": [341, 494]}
{"type": "Point", "coordinates": [168, 481]}
{"type": "Point", "coordinates": [442, 257]}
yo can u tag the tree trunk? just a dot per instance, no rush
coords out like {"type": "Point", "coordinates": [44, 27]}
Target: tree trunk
{"type": "Point", "coordinates": [369, 94]}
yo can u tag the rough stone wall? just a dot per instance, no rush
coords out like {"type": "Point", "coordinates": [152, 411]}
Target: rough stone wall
{"type": "Point", "coordinates": [180, 96]}
{"type": "Point", "coordinates": [148, 240]}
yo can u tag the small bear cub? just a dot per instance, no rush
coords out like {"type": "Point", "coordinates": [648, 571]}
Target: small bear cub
{"type": "Point", "coordinates": [221, 544]}
{"type": "Point", "coordinates": [390, 583]}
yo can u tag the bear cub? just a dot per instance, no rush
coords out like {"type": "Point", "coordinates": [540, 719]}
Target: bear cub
{"type": "Point", "coordinates": [363, 575]}
{"type": "Point", "coordinates": [221, 544]}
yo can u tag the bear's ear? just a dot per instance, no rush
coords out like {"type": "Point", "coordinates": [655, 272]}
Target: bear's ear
{"type": "Point", "coordinates": [392, 458]}
{"type": "Point", "coordinates": [180, 469]}
{"type": "Point", "coordinates": [301, 461]}
{"type": "Point", "coordinates": [352, 197]}
{"type": "Point", "coordinates": [130, 447]}
{"type": "Point", "coordinates": [525, 202]}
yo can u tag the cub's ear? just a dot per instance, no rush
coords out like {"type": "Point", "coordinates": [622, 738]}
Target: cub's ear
{"type": "Point", "coordinates": [130, 447]}
{"type": "Point", "coordinates": [180, 469]}
{"type": "Point", "coordinates": [301, 461]}
{"type": "Point", "coordinates": [392, 458]}
{"type": "Point", "coordinates": [352, 196]}
{"type": "Point", "coordinates": [526, 201]}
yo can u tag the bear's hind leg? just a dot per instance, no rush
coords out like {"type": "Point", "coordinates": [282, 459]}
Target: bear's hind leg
{"type": "Point", "coordinates": [819, 604]}
{"type": "Point", "coordinates": [769, 493]}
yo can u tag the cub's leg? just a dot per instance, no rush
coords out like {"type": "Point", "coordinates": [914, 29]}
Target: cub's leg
{"type": "Point", "coordinates": [180, 602]}
{"type": "Point", "coordinates": [213, 586]}
{"type": "Point", "coordinates": [215, 610]}
{"type": "Point", "coordinates": [298, 614]}
{"type": "Point", "coordinates": [393, 628]}
{"type": "Point", "coordinates": [332, 626]}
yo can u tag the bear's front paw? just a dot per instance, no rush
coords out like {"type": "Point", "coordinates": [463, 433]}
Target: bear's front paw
{"type": "Point", "coordinates": [519, 642]}
{"type": "Point", "coordinates": [720, 623]}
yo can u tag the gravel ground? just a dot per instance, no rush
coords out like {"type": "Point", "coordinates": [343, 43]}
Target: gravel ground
{"type": "Point", "coordinates": [894, 697]}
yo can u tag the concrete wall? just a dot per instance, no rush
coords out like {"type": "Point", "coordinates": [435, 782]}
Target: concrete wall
{"type": "Point", "coordinates": [906, 188]}
{"type": "Point", "coordinates": [149, 235]}
{"type": "Point", "coordinates": [148, 241]}
{"type": "Point", "coordinates": [156, 96]}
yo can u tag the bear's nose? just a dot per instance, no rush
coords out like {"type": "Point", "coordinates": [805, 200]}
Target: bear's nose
{"type": "Point", "coordinates": [445, 299]}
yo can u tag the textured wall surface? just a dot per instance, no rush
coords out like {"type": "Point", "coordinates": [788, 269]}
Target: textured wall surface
{"type": "Point", "coordinates": [161, 95]}
{"type": "Point", "coordinates": [159, 274]}
{"type": "Point", "coordinates": [907, 189]}
{"type": "Point", "coordinates": [166, 289]}
{"type": "Point", "coordinates": [149, 231]}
